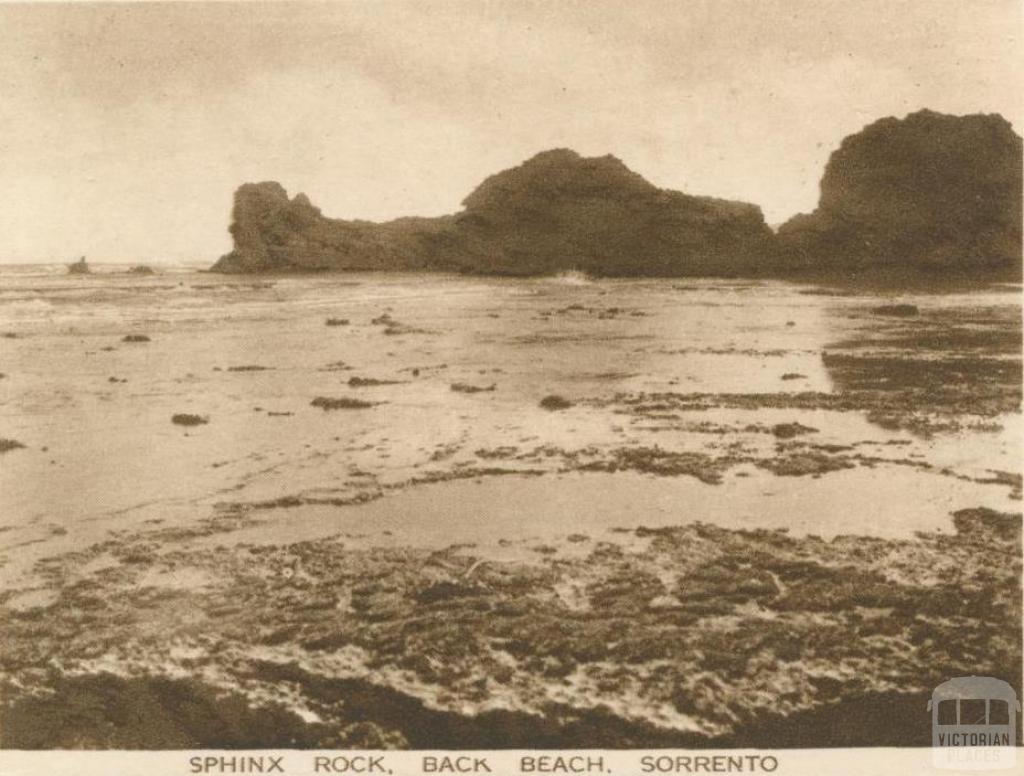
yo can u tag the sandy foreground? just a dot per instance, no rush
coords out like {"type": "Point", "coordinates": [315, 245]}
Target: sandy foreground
{"type": "Point", "coordinates": [758, 507]}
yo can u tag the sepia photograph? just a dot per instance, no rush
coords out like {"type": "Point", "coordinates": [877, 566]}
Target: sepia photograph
{"type": "Point", "coordinates": [547, 376]}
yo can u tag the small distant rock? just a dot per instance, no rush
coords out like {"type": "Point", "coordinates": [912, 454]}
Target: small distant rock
{"type": "Point", "coordinates": [186, 419]}
{"type": "Point", "coordinates": [401, 328]}
{"type": "Point", "coordinates": [337, 322]}
{"type": "Point", "coordinates": [325, 403]}
{"type": "Point", "coordinates": [794, 376]}
{"type": "Point", "coordinates": [248, 368]}
{"type": "Point", "coordinates": [135, 338]}
{"type": "Point", "coordinates": [555, 402]}
{"type": "Point", "coordinates": [369, 382]}
{"type": "Point", "coordinates": [79, 267]}
{"type": "Point", "coordinates": [467, 388]}
{"type": "Point", "coordinates": [6, 445]}
{"type": "Point", "coordinates": [335, 366]}
{"type": "Point", "coordinates": [790, 430]}
{"type": "Point", "coordinates": [141, 269]}
{"type": "Point", "coordinates": [899, 310]}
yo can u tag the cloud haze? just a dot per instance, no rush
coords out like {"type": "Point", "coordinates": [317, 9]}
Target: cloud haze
{"type": "Point", "coordinates": [124, 129]}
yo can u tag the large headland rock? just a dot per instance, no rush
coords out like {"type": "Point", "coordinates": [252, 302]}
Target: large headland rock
{"type": "Point", "coordinates": [929, 194]}
{"type": "Point", "coordinates": [556, 212]}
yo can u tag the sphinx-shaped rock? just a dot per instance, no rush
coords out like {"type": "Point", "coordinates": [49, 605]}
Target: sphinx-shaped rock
{"type": "Point", "coordinates": [557, 211]}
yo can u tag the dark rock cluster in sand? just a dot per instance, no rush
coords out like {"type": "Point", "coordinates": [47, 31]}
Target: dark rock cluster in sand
{"type": "Point", "coordinates": [929, 192]}
{"type": "Point", "coordinates": [188, 419]}
{"type": "Point", "coordinates": [468, 388]}
{"type": "Point", "coordinates": [555, 402]}
{"type": "Point", "coordinates": [327, 403]}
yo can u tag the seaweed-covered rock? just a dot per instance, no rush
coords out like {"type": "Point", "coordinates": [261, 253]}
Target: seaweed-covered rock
{"type": "Point", "coordinates": [755, 635]}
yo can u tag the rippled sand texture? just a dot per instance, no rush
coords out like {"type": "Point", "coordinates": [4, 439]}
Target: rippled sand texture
{"type": "Point", "coordinates": [364, 515]}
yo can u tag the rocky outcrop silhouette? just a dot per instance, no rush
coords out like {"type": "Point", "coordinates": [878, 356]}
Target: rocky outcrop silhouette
{"type": "Point", "coordinates": [558, 211]}
{"type": "Point", "coordinates": [273, 233]}
{"type": "Point", "coordinates": [930, 193]}
{"type": "Point", "coordinates": [80, 267]}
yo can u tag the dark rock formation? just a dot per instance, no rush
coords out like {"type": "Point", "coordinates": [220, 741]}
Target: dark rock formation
{"type": "Point", "coordinates": [187, 419]}
{"type": "Point", "coordinates": [558, 211]}
{"type": "Point", "coordinates": [6, 445]}
{"type": "Point", "coordinates": [79, 267]}
{"type": "Point", "coordinates": [273, 233]}
{"type": "Point", "coordinates": [929, 193]}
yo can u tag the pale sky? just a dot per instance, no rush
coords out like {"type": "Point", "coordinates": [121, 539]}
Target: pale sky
{"type": "Point", "coordinates": [124, 129]}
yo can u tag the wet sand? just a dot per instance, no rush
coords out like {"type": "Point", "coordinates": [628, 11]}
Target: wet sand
{"type": "Point", "coordinates": [713, 426]}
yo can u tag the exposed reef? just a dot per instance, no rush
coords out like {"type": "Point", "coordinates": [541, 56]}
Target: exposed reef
{"type": "Point", "coordinates": [683, 636]}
